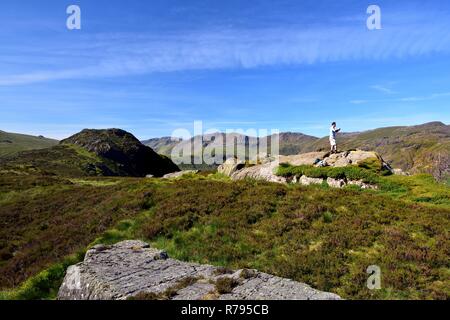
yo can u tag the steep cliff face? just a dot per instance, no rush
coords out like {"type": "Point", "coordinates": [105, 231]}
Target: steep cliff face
{"type": "Point", "coordinates": [133, 270]}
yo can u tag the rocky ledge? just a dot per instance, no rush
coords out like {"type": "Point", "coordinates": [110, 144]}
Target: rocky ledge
{"type": "Point", "coordinates": [237, 170]}
{"type": "Point", "coordinates": [133, 270]}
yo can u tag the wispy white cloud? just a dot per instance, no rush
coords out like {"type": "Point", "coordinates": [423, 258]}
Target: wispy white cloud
{"type": "Point", "coordinates": [382, 89]}
{"type": "Point", "coordinates": [116, 55]}
{"type": "Point", "coordinates": [429, 97]}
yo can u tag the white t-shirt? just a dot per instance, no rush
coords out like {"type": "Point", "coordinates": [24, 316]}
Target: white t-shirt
{"type": "Point", "coordinates": [333, 133]}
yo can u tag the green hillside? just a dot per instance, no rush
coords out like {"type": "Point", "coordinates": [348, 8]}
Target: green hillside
{"type": "Point", "coordinates": [111, 152]}
{"type": "Point", "coordinates": [11, 143]}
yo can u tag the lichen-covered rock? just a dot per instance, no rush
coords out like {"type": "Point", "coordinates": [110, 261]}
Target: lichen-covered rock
{"type": "Point", "coordinates": [264, 171]}
{"type": "Point", "coordinates": [230, 166]}
{"type": "Point", "coordinates": [133, 269]}
{"type": "Point", "coordinates": [310, 158]}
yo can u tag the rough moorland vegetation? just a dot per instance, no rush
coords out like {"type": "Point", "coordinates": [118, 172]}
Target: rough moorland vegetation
{"type": "Point", "coordinates": [318, 235]}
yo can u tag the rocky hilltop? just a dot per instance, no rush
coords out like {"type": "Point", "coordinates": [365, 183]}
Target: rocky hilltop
{"type": "Point", "coordinates": [239, 170]}
{"type": "Point", "coordinates": [133, 270]}
{"type": "Point", "coordinates": [123, 149]}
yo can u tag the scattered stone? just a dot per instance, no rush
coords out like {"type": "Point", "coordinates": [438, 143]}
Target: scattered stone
{"type": "Point", "coordinates": [336, 183]}
{"type": "Point", "coordinates": [121, 272]}
{"type": "Point", "coordinates": [362, 184]}
{"type": "Point", "coordinates": [306, 181]}
{"type": "Point", "coordinates": [179, 174]}
{"type": "Point", "coordinates": [399, 172]}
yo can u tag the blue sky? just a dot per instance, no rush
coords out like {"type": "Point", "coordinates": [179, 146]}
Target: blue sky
{"type": "Point", "coordinates": [151, 67]}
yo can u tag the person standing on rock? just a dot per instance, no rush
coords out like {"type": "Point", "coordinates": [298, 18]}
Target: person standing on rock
{"type": "Point", "coordinates": [333, 131]}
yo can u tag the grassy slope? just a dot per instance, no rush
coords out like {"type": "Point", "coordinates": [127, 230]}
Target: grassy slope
{"type": "Point", "coordinates": [12, 143]}
{"type": "Point", "coordinates": [324, 237]}
{"type": "Point", "coordinates": [62, 160]}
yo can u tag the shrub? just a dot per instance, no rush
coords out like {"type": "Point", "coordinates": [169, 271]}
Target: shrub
{"type": "Point", "coordinates": [226, 285]}
{"type": "Point", "coordinates": [349, 172]}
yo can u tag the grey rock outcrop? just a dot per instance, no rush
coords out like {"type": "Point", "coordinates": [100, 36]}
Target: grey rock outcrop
{"type": "Point", "coordinates": [230, 166]}
{"type": "Point", "coordinates": [309, 158]}
{"type": "Point", "coordinates": [133, 269]}
{"type": "Point", "coordinates": [264, 171]}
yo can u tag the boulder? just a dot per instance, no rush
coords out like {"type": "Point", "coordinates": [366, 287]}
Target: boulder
{"type": "Point", "coordinates": [132, 269]}
{"type": "Point", "coordinates": [359, 156]}
{"type": "Point", "coordinates": [264, 171]}
{"type": "Point", "coordinates": [230, 166]}
{"type": "Point", "coordinates": [310, 158]}
{"type": "Point", "coordinates": [179, 174]}
{"type": "Point", "coordinates": [306, 181]}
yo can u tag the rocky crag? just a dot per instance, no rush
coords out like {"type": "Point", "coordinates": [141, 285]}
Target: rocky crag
{"type": "Point", "coordinates": [237, 170]}
{"type": "Point", "coordinates": [133, 270]}
{"type": "Point", "coordinates": [128, 153]}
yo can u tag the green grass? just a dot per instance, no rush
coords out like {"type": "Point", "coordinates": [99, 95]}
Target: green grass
{"type": "Point", "coordinates": [318, 235]}
{"type": "Point", "coordinates": [45, 284]}
{"type": "Point", "coordinates": [12, 143]}
{"type": "Point", "coordinates": [421, 188]}
{"type": "Point", "coordinates": [348, 173]}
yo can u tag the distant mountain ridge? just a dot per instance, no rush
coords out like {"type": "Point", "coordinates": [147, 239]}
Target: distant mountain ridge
{"type": "Point", "coordinates": [418, 149]}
